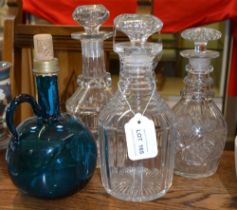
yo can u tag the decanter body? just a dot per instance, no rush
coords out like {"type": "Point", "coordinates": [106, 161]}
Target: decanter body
{"type": "Point", "coordinates": [94, 85]}
{"type": "Point", "coordinates": [200, 122]}
{"type": "Point", "coordinates": [50, 155]}
{"type": "Point", "coordinates": [143, 172]}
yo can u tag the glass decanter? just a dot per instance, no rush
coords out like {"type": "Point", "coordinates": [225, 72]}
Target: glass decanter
{"type": "Point", "coordinates": [94, 85]}
{"type": "Point", "coordinates": [201, 125]}
{"type": "Point", "coordinates": [136, 128]}
{"type": "Point", "coordinates": [52, 154]}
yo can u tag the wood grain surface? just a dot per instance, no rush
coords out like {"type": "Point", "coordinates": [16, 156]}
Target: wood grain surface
{"type": "Point", "coordinates": [214, 193]}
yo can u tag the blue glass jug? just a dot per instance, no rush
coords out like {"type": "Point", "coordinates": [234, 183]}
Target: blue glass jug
{"type": "Point", "coordinates": [50, 155]}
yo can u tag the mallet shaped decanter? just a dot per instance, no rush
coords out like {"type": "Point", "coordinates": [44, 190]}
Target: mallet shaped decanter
{"type": "Point", "coordinates": [136, 128]}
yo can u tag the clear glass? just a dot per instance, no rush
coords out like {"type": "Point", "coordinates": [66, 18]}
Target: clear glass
{"type": "Point", "coordinates": [94, 85]}
{"type": "Point", "coordinates": [148, 178]}
{"type": "Point", "coordinates": [5, 98]}
{"type": "Point", "coordinates": [200, 122]}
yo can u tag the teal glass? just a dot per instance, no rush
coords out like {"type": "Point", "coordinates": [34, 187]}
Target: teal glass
{"type": "Point", "coordinates": [50, 155]}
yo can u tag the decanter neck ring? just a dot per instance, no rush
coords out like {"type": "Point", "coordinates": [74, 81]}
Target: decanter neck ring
{"type": "Point", "coordinates": [198, 85]}
{"type": "Point", "coordinates": [137, 79]}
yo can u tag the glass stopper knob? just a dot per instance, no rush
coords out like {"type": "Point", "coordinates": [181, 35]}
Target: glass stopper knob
{"type": "Point", "coordinates": [90, 17]}
{"type": "Point", "coordinates": [200, 36]}
{"type": "Point", "coordinates": [138, 27]}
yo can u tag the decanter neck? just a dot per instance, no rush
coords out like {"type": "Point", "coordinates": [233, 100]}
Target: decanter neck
{"type": "Point", "coordinates": [198, 84]}
{"type": "Point", "coordinates": [93, 65]}
{"type": "Point", "coordinates": [136, 77]}
{"type": "Point", "coordinates": [48, 99]}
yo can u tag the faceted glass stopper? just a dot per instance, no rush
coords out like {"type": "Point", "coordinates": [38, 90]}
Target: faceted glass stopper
{"type": "Point", "coordinates": [200, 36]}
{"type": "Point", "coordinates": [90, 17]}
{"type": "Point", "coordinates": [138, 27]}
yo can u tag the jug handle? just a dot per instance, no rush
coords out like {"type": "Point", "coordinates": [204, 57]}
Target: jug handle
{"type": "Point", "coordinates": [12, 107]}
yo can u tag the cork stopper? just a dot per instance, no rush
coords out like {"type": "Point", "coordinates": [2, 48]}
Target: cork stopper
{"type": "Point", "coordinates": [43, 46]}
{"type": "Point", "coordinates": [44, 61]}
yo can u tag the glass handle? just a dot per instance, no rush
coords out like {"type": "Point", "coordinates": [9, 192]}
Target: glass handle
{"type": "Point", "coordinates": [12, 107]}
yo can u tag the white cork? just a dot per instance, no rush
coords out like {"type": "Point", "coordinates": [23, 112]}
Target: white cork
{"type": "Point", "coordinates": [43, 47]}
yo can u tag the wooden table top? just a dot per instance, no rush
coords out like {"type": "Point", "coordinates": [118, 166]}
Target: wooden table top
{"type": "Point", "coordinates": [214, 193]}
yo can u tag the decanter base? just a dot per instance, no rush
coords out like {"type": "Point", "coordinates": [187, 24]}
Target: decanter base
{"type": "Point", "coordinates": [195, 175]}
{"type": "Point", "coordinates": [136, 184]}
{"type": "Point", "coordinates": [51, 196]}
{"type": "Point", "coordinates": [137, 199]}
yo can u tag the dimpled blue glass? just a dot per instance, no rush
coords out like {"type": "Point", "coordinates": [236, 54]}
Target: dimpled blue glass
{"type": "Point", "coordinates": [50, 155]}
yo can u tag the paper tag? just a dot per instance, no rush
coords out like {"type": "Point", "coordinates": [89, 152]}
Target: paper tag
{"type": "Point", "coordinates": [141, 138]}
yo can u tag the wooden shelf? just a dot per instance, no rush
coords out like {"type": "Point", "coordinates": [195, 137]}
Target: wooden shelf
{"type": "Point", "coordinates": [218, 192]}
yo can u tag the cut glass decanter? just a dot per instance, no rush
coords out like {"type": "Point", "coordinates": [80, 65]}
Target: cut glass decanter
{"type": "Point", "coordinates": [136, 128]}
{"type": "Point", "coordinates": [200, 122]}
{"type": "Point", "coordinates": [94, 84]}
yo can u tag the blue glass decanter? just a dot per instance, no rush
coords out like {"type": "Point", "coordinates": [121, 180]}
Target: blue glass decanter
{"type": "Point", "coordinates": [50, 155]}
